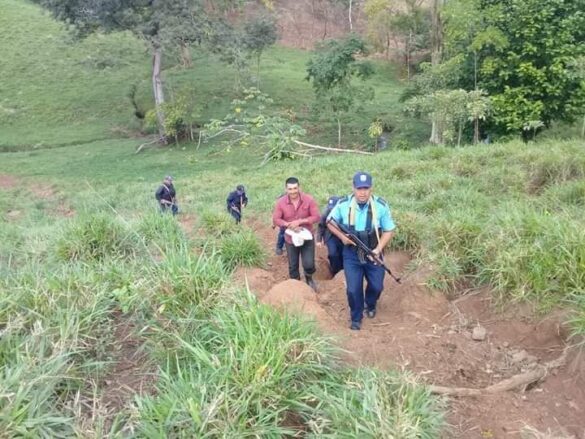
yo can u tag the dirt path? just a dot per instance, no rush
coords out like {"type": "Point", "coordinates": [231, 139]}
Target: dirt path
{"type": "Point", "coordinates": [422, 331]}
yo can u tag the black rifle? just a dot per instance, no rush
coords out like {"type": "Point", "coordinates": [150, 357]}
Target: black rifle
{"type": "Point", "coordinates": [362, 246]}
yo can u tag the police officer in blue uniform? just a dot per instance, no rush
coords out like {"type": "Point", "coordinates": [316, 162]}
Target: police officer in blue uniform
{"type": "Point", "coordinates": [369, 217]}
{"type": "Point", "coordinates": [333, 243]}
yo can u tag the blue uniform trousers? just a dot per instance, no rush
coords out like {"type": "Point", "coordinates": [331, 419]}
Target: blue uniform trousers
{"type": "Point", "coordinates": [280, 238]}
{"type": "Point", "coordinates": [355, 271]}
{"type": "Point", "coordinates": [334, 254]}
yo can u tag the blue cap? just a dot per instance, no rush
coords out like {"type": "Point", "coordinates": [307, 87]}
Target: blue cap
{"type": "Point", "coordinates": [362, 180]}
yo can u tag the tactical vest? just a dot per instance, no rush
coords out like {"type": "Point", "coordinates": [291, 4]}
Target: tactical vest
{"type": "Point", "coordinates": [368, 236]}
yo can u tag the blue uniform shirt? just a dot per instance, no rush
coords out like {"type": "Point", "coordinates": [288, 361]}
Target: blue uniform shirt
{"type": "Point", "coordinates": [340, 213]}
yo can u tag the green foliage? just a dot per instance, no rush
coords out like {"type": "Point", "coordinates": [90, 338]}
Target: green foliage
{"type": "Point", "coordinates": [331, 70]}
{"type": "Point", "coordinates": [242, 248]}
{"type": "Point", "coordinates": [451, 110]}
{"type": "Point", "coordinates": [248, 124]}
{"type": "Point", "coordinates": [523, 51]}
{"type": "Point", "coordinates": [259, 34]}
{"type": "Point", "coordinates": [96, 237]}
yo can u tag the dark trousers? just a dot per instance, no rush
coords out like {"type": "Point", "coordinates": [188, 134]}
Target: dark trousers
{"type": "Point", "coordinates": [307, 255]}
{"type": "Point", "coordinates": [335, 254]}
{"type": "Point", "coordinates": [355, 271]}
{"type": "Point", "coordinates": [173, 208]}
{"type": "Point", "coordinates": [280, 238]}
{"type": "Point", "coordinates": [235, 214]}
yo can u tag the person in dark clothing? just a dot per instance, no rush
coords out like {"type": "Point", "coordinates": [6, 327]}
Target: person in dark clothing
{"type": "Point", "coordinates": [167, 196]}
{"type": "Point", "coordinates": [279, 250]}
{"type": "Point", "coordinates": [333, 243]}
{"type": "Point", "coordinates": [236, 201]}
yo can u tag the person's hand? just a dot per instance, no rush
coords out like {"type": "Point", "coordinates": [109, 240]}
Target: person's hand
{"type": "Point", "coordinates": [347, 241]}
{"type": "Point", "coordinates": [294, 225]}
{"type": "Point", "coordinates": [319, 244]}
{"type": "Point", "coordinates": [378, 253]}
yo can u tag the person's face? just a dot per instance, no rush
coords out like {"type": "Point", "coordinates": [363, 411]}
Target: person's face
{"type": "Point", "coordinates": [362, 194]}
{"type": "Point", "coordinates": [292, 190]}
{"type": "Point", "coordinates": [168, 181]}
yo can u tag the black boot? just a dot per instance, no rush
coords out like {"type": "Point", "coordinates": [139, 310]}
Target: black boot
{"type": "Point", "coordinates": [311, 282]}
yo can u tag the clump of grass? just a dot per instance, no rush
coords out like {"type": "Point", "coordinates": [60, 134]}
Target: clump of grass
{"type": "Point", "coordinates": [532, 255]}
{"type": "Point", "coordinates": [55, 335]}
{"type": "Point", "coordinates": [552, 169]}
{"type": "Point", "coordinates": [94, 238]}
{"type": "Point", "coordinates": [241, 248]}
{"type": "Point", "coordinates": [217, 223]}
{"type": "Point", "coordinates": [408, 235]}
{"type": "Point", "coordinates": [238, 374]}
{"type": "Point", "coordinates": [369, 403]}
{"type": "Point", "coordinates": [183, 281]}
{"type": "Point", "coordinates": [571, 194]}
{"type": "Point", "coordinates": [162, 231]}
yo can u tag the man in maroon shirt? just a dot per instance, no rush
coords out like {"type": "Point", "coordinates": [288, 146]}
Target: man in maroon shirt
{"type": "Point", "coordinates": [297, 210]}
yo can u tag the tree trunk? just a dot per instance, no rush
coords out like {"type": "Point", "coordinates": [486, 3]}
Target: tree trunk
{"type": "Point", "coordinates": [476, 131]}
{"type": "Point", "coordinates": [436, 55]}
{"type": "Point", "coordinates": [157, 86]}
{"type": "Point", "coordinates": [185, 55]}
{"type": "Point", "coordinates": [349, 15]}
{"type": "Point", "coordinates": [258, 72]}
{"type": "Point", "coordinates": [583, 128]}
{"type": "Point", "coordinates": [338, 132]}
{"type": "Point", "coordinates": [459, 135]}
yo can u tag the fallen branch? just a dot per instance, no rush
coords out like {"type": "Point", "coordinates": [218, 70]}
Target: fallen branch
{"type": "Point", "coordinates": [326, 148]}
{"type": "Point", "coordinates": [144, 145]}
{"type": "Point", "coordinates": [520, 380]}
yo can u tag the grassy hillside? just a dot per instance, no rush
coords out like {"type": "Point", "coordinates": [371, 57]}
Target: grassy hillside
{"type": "Point", "coordinates": [88, 268]}
{"type": "Point", "coordinates": [58, 91]}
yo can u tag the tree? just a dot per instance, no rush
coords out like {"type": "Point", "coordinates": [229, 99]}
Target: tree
{"type": "Point", "coordinates": [236, 45]}
{"type": "Point", "coordinates": [331, 70]}
{"type": "Point", "coordinates": [259, 34]}
{"type": "Point", "coordinates": [436, 57]}
{"type": "Point", "coordinates": [451, 109]}
{"type": "Point", "coordinates": [577, 69]}
{"type": "Point", "coordinates": [523, 50]}
{"type": "Point", "coordinates": [478, 108]}
{"type": "Point", "coordinates": [158, 22]}
{"type": "Point", "coordinates": [404, 21]}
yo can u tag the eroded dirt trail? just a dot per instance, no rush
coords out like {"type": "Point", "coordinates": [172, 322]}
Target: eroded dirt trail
{"type": "Point", "coordinates": [424, 332]}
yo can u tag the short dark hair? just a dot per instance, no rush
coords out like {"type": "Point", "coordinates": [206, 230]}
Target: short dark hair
{"type": "Point", "coordinates": [291, 180]}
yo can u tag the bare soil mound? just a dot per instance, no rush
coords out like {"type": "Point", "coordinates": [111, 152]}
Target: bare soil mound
{"type": "Point", "coordinates": [297, 297]}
